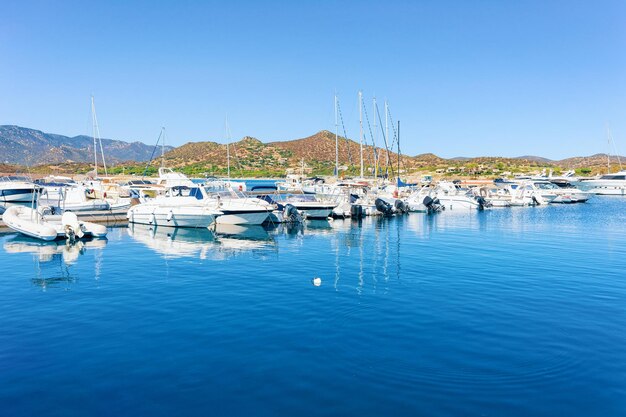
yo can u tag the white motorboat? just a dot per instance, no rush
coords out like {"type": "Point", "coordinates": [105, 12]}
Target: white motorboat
{"type": "Point", "coordinates": [35, 223]}
{"type": "Point", "coordinates": [548, 189]}
{"type": "Point", "coordinates": [608, 184]}
{"type": "Point", "coordinates": [16, 189]}
{"type": "Point", "coordinates": [170, 212]}
{"type": "Point", "coordinates": [308, 205]}
{"type": "Point", "coordinates": [514, 194]}
{"type": "Point", "coordinates": [453, 197]}
{"type": "Point", "coordinates": [70, 198]}
{"type": "Point", "coordinates": [169, 178]}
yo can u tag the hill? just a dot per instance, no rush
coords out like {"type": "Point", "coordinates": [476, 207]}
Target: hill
{"type": "Point", "coordinates": [23, 146]}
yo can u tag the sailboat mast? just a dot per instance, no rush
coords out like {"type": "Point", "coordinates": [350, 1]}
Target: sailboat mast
{"type": "Point", "coordinates": [95, 146]}
{"type": "Point", "coordinates": [375, 138]}
{"type": "Point", "coordinates": [387, 134]}
{"type": "Point", "coordinates": [608, 153]}
{"type": "Point", "coordinates": [336, 141]}
{"type": "Point", "coordinates": [361, 129]}
{"type": "Point", "coordinates": [163, 147]}
{"type": "Point", "coordinates": [398, 152]}
{"type": "Point", "coordinates": [96, 134]}
{"type": "Point", "coordinates": [227, 148]}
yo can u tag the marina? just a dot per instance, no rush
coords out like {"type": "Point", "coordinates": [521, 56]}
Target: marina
{"type": "Point", "coordinates": [313, 209]}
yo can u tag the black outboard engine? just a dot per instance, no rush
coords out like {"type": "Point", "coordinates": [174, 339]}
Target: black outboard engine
{"type": "Point", "coordinates": [384, 207]}
{"type": "Point", "coordinates": [432, 204]}
{"type": "Point", "coordinates": [291, 214]}
{"type": "Point", "coordinates": [482, 203]}
{"type": "Point", "coordinates": [401, 207]}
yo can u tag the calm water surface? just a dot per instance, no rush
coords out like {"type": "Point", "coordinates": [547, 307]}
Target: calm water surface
{"type": "Point", "coordinates": [518, 312]}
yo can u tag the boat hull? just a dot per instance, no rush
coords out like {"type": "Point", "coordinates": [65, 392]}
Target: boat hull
{"type": "Point", "coordinates": [251, 217]}
{"type": "Point", "coordinates": [197, 217]}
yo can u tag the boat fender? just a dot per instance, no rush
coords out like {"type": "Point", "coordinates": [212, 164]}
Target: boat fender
{"type": "Point", "coordinates": [170, 215]}
{"type": "Point", "coordinates": [153, 218]}
{"type": "Point", "coordinates": [395, 193]}
{"type": "Point", "coordinates": [241, 188]}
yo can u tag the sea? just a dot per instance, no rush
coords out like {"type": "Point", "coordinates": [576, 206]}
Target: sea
{"type": "Point", "coordinates": [503, 312]}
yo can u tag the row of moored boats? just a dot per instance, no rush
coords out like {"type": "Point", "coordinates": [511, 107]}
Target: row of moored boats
{"type": "Point", "coordinates": [59, 205]}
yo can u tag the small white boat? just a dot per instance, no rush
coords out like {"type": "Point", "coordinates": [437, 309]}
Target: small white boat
{"type": "Point", "coordinates": [34, 223]}
{"type": "Point", "coordinates": [161, 212]}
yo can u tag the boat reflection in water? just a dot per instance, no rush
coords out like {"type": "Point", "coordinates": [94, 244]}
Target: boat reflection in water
{"type": "Point", "coordinates": [52, 259]}
{"type": "Point", "coordinates": [48, 251]}
{"type": "Point", "coordinates": [175, 242]}
{"type": "Point", "coordinates": [233, 238]}
{"type": "Point", "coordinates": [215, 243]}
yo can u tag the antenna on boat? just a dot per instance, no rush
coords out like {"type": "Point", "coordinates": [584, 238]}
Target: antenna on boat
{"type": "Point", "coordinates": [361, 128]}
{"type": "Point", "coordinates": [96, 139]}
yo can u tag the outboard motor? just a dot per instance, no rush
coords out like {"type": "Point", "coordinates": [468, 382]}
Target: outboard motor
{"type": "Point", "coordinates": [291, 214]}
{"type": "Point", "coordinates": [432, 204]}
{"type": "Point", "coordinates": [482, 203]}
{"type": "Point", "coordinates": [401, 207]}
{"type": "Point", "coordinates": [384, 207]}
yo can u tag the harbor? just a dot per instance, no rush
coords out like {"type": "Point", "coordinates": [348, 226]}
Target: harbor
{"type": "Point", "coordinates": [313, 209]}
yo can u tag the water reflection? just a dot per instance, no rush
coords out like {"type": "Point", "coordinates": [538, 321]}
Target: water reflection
{"type": "Point", "coordinates": [52, 250]}
{"type": "Point", "coordinates": [236, 238]}
{"type": "Point", "coordinates": [174, 242]}
{"type": "Point", "coordinates": [52, 260]}
{"type": "Point", "coordinates": [216, 243]}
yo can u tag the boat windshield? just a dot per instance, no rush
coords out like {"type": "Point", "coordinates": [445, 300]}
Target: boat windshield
{"type": "Point", "coordinates": [545, 186]}
{"type": "Point", "coordinates": [15, 178]}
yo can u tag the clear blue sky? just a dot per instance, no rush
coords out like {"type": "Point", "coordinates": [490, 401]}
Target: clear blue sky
{"type": "Point", "coordinates": [466, 78]}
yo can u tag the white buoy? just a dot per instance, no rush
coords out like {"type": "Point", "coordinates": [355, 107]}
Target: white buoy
{"type": "Point", "coordinates": [317, 281]}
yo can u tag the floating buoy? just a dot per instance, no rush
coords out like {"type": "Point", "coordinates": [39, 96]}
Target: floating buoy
{"type": "Point", "coordinates": [317, 281]}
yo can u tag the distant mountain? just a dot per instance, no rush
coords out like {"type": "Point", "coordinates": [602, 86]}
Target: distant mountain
{"type": "Point", "coordinates": [535, 158]}
{"type": "Point", "coordinates": [23, 146]}
{"type": "Point", "coordinates": [597, 160]}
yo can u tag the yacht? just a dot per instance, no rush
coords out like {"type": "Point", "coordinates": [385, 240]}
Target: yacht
{"type": "Point", "coordinates": [608, 184]}
{"type": "Point", "coordinates": [16, 189]}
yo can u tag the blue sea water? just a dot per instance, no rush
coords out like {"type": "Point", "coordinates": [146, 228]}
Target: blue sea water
{"type": "Point", "coordinates": [507, 312]}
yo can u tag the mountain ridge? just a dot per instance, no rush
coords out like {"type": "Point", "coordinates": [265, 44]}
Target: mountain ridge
{"type": "Point", "coordinates": [25, 146]}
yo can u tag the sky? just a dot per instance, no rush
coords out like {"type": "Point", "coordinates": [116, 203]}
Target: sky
{"type": "Point", "coordinates": [465, 78]}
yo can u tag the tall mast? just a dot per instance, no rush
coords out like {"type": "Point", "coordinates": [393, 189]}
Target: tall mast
{"type": "Point", "coordinates": [228, 147]}
{"type": "Point", "coordinates": [398, 152]}
{"type": "Point", "coordinates": [387, 134]}
{"type": "Point", "coordinates": [336, 141]}
{"type": "Point", "coordinates": [361, 128]}
{"type": "Point", "coordinates": [374, 139]}
{"type": "Point", "coordinates": [163, 148]}
{"type": "Point", "coordinates": [96, 139]}
{"type": "Point", "coordinates": [95, 145]}
{"type": "Point", "coordinates": [608, 153]}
